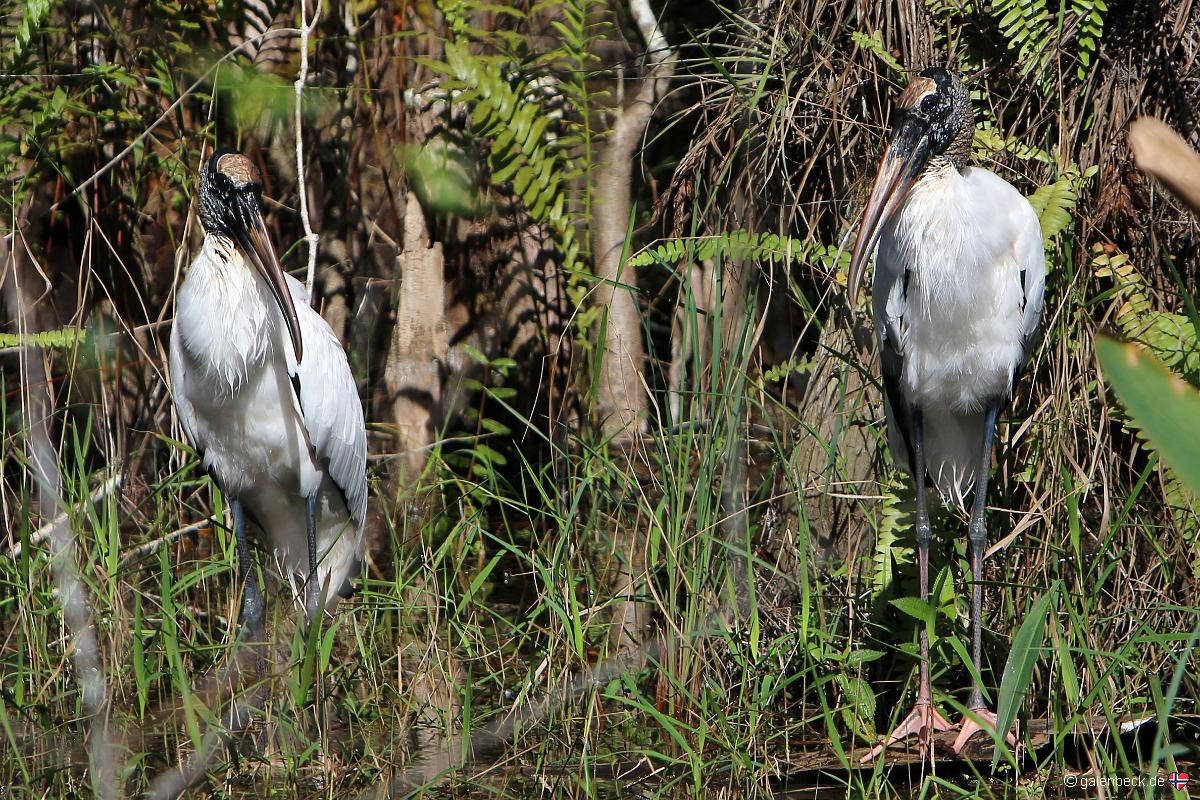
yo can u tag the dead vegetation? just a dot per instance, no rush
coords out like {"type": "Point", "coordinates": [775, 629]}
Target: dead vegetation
{"type": "Point", "coordinates": [509, 447]}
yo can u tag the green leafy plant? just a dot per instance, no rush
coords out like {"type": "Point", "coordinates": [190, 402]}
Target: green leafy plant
{"type": "Point", "coordinates": [1170, 338]}
{"type": "Point", "coordinates": [1031, 29]}
{"type": "Point", "coordinates": [874, 43]}
{"type": "Point", "coordinates": [1163, 406]}
{"type": "Point", "coordinates": [1028, 30]}
{"type": "Point", "coordinates": [739, 245]}
{"type": "Point", "coordinates": [62, 339]}
{"type": "Point", "coordinates": [1089, 15]}
{"type": "Point", "coordinates": [536, 124]}
{"type": "Point", "coordinates": [891, 548]}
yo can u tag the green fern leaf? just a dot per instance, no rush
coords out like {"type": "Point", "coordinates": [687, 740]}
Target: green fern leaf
{"type": "Point", "coordinates": [742, 245]}
{"type": "Point", "coordinates": [1028, 30]}
{"type": "Point", "coordinates": [1174, 340]}
{"type": "Point", "coordinates": [890, 548]}
{"type": "Point", "coordinates": [1090, 21]}
{"type": "Point", "coordinates": [61, 339]}
{"type": "Point", "coordinates": [1053, 204]}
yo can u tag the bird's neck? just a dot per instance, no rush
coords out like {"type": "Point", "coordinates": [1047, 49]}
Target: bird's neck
{"type": "Point", "coordinates": [958, 154]}
{"type": "Point", "coordinates": [224, 313]}
{"type": "Point", "coordinates": [931, 223]}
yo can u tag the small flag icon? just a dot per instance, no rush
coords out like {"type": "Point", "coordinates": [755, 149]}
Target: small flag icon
{"type": "Point", "coordinates": [1178, 780]}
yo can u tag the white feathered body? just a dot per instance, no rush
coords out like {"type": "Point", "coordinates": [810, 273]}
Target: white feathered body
{"type": "Point", "coordinates": [957, 295]}
{"type": "Point", "coordinates": [271, 432]}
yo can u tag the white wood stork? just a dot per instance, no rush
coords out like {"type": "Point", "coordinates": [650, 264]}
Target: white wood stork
{"type": "Point", "coordinates": [264, 392]}
{"type": "Point", "coordinates": [957, 297]}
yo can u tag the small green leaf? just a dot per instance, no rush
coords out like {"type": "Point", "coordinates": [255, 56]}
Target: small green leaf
{"type": "Point", "coordinates": [916, 608]}
{"type": "Point", "coordinates": [1053, 204]}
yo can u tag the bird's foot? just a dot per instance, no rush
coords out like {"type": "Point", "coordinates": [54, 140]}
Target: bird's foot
{"type": "Point", "coordinates": [923, 720]}
{"type": "Point", "coordinates": [972, 723]}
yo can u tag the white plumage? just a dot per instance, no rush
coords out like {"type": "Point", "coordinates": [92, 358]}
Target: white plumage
{"type": "Point", "coordinates": [956, 330]}
{"type": "Point", "coordinates": [272, 432]}
{"type": "Point", "coordinates": [957, 301]}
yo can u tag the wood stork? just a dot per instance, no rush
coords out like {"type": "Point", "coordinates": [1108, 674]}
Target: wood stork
{"type": "Point", "coordinates": [264, 392]}
{"type": "Point", "coordinates": [957, 298]}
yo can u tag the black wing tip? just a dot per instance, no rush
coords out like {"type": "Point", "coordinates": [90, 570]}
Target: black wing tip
{"type": "Point", "coordinates": [349, 588]}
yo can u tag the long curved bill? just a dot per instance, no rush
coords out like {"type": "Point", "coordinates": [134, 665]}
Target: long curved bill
{"type": "Point", "coordinates": [254, 240]}
{"type": "Point", "coordinates": [897, 172]}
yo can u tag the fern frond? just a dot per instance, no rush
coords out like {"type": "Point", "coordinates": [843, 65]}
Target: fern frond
{"type": "Point", "coordinates": [512, 116]}
{"type": "Point", "coordinates": [1028, 30]}
{"type": "Point", "coordinates": [989, 140]}
{"type": "Point", "coordinates": [890, 548]}
{"type": "Point", "coordinates": [739, 245]}
{"type": "Point", "coordinates": [61, 339]}
{"type": "Point", "coordinates": [1170, 337]}
{"type": "Point", "coordinates": [532, 114]}
{"type": "Point", "coordinates": [944, 9]}
{"type": "Point", "coordinates": [1053, 204]}
{"type": "Point", "coordinates": [1090, 26]}
{"type": "Point", "coordinates": [1173, 339]}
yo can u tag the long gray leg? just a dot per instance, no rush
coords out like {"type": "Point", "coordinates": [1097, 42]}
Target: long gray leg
{"type": "Point", "coordinates": [924, 719]}
{"type": "Point", "coordinates": [252, 599]}
{"type": "Point", "coordinates": [977, 542]}
{"type": "Point", "coordinates": [924, 535]}
{"type": "Point", "coordinates": [312, 587]}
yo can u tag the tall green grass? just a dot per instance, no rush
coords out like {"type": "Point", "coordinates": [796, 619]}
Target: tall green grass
{"type": "Point", "coordinates": [777, 644]}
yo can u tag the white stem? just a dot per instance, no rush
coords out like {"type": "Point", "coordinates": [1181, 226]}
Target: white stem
{"type": "Point", "coordinates": [306, 29]}
{"type": "Point", "coordinates": [657, 49]}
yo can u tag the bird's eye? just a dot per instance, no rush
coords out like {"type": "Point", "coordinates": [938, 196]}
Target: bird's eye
{"type": "Point", "coordinates": [930, 103]}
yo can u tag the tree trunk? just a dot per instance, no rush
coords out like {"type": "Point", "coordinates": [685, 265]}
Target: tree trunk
{"type": "Point", "coordinates": [621, 391]}
{"type": "Point", "coordinates": [419, 346]}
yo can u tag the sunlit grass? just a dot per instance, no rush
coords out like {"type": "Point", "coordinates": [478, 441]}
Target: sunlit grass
{"type": "Point", "coordinates": [493, 587]}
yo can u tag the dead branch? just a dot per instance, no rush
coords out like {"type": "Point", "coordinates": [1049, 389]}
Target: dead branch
{"type": "Point", "coordinates": [37, 407]}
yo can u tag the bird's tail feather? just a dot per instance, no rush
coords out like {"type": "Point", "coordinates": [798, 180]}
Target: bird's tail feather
{"type": "Point", "coordinates": [952, 452]}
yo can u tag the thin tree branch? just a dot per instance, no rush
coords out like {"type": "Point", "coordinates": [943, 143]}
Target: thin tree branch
{"type": "Point", "coordinates": [141, 137]}
{"type": "Point", "coordinates": [306, 29]}
{"type": "Point", "coordinates": [621, 393]}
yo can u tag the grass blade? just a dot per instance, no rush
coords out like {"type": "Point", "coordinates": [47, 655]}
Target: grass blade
{"type": "Point", "coordinates": [1018, 670]}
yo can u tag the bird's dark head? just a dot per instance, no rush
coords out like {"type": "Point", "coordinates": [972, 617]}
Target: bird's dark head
{"type": "Point", "coordinates": [933, 118]}
{"type": "Point", "coordinates": [230, 193]}
{"type": "Point", "coordinates": [231, 206]}
{"type": "Point", "coordinates": [931, 122]}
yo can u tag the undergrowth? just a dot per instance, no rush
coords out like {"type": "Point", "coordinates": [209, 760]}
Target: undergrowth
{"type": "Point", "coordinates": [777, 599]}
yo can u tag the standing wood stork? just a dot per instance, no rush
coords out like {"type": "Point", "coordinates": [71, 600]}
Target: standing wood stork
{"type": "Point", "coordinates": [264, 392]}
{"type": "Point", "coordinates": [957, 298]}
